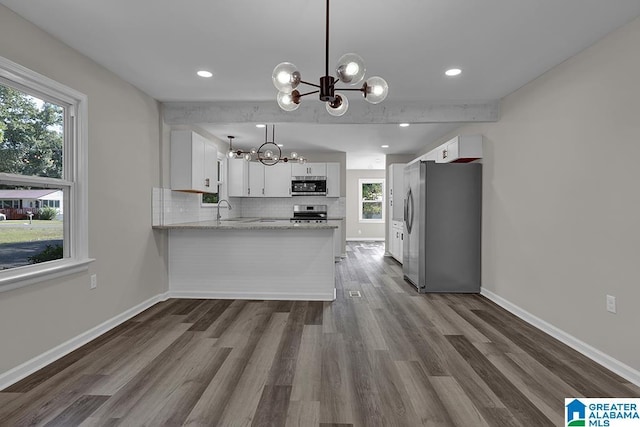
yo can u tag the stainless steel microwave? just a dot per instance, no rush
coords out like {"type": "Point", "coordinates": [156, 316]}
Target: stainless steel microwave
{"type": "Point", "coordinates": [309, 186]}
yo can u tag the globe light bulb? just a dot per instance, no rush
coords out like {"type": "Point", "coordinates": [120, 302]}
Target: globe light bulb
{"type": "Point", "coordinates": [294, 155]}
{"type": "Point", "coordinates": [338, 107]}
{"type": "Point", "coordinates": [253, 150]}
{"type": "Point", "coordinates": [275, 158]}
{"type": "Point", "coordinates": [285, 101]}
{"type": "Point", "coordinates": [285, 77]}
{"type": "Point", "coordinates": [247, 157]}
{"type": "Point", "coordinates": [268, 154]}
{"type": "Point", "coordinates": [231, 154]}
{"type": "Point", "coordinates": [350, 69]}
{"type": "Point", "coordinates": [376, 89]}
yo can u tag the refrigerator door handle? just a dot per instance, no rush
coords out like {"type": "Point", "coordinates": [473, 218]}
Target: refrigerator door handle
{"type": "Point", "coordinates": [404, 210]}
{"type": "Point", "coordinates": [409, 212]}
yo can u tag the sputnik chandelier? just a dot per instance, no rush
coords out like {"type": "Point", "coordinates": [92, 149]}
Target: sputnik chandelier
{"type": "Point", "coordinates": [268, 153]}
{"type": "Point", "coordinates": [350, 70]}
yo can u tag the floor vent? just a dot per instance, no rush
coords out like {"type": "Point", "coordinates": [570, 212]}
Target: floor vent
{"type": "Point", "coordinates": [355, 294]}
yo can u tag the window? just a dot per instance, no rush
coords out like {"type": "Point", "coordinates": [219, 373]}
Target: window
{"type": "Point", "coordinates": [371, 198]}
{"type": "Point", "coordinates": [43, 178]}
{"type": "Point", "coordinates": [210, 199]}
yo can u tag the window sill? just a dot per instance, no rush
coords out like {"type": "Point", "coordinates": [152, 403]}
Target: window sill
{"type": "Point", "coordinates": [24, 276]}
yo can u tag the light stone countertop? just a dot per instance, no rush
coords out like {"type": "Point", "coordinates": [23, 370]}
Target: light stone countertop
{"type": "Point", "coordinates": [245, 224]}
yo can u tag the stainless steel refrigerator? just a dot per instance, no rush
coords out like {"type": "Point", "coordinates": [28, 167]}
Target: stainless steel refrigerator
{"type": "Point", "coordinates": [442, 225]}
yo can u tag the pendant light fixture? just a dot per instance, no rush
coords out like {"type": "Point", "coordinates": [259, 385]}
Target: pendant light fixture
{"type": "Point", "coordinates": [350, 70]}
{"type": "Point", "coordinates": [269, 153]}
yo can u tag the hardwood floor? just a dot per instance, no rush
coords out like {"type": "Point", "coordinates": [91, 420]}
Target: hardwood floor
{"type": "Point", "coordinates": [390, 357]}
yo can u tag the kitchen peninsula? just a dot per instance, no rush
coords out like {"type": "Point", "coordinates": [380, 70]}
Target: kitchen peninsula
{"type": "Point", "coordinates": [251, 258]}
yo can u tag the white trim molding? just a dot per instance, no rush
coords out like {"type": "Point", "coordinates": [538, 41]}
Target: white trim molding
{"type": "Point", "coordinates": [592, 353]}
{"type": "Point", "coordinates": [22, 371]}
{"type": "Point", "coordinates": [297, 296]}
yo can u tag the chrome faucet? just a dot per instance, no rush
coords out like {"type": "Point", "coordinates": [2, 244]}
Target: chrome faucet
{"type": "Point", "coordinates": [220, 201]}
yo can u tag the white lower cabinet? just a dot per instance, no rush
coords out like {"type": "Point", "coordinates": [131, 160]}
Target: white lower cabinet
{"type": "Point", "coordinates": [396, 240]}
{"type": "Point", "coordinates": [338, 238]}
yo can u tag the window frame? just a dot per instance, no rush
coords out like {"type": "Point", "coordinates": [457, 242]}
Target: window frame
{"type": "Point", "coordinates": [74, 181]}
{"type": "Point", "coordinates": [361, 202]}
{"type": "Point", "coordinates": [220, 182]}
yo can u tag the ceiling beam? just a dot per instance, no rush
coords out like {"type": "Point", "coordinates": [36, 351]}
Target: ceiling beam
{"type": "Point", "coordinates": [189, 113]}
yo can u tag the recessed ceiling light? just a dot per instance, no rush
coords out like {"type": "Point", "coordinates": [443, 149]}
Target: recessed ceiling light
{"type": "Point", "coordinates": [205, 73]}
{"type": "Point", "coordinates": [404, 125]}
{"type": "Point", "coordinates": [384, 146]}
{"type": "Point", "coordinates": [261, 125]}
{"type": "Point", "coordinates": [452, 72]}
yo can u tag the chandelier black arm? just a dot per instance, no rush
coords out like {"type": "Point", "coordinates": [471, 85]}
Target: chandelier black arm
{"type": "Point", "coordinates": [310, 84]}
{"type": "Point", "coordinates": [358, 89]}
{"type": "Point", "coordinates": [308, 93]}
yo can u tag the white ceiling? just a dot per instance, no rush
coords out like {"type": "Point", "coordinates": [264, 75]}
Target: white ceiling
{"type": "Point", "coordinates": [158, 45]}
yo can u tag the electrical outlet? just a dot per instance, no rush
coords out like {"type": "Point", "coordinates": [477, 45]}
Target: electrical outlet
{"type": "Point", "coordinates": [94, 281]}
{"type": "Point", "coordinates": [611, 304]}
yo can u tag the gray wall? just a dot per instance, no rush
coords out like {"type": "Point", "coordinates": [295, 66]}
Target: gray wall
{"type": "Point", "coordinates": [561, 198]}
{"type": "Point", "coordinates": [124, 164]}
{"type": "Point", "coordinates": [356, 230]}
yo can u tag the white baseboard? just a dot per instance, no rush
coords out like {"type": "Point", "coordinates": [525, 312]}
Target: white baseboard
{"type": "Point", "coordinates": [592, 353]}
{"type": "Point", "coordinates": [301, 296]}
{"type": "Point", "coordinates": [19, 372]}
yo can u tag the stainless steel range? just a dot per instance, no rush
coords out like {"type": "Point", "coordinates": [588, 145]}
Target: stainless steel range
{"type": "Point", "coordinates": [309, 214]}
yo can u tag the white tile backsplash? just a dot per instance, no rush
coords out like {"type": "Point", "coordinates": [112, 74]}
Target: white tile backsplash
{"type": "Point", "coordinates": [282, 207]}
{"type": "Point", "coordinates": [176, 207]}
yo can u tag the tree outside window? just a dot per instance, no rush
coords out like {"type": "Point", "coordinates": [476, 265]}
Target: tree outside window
{"type": "Point", "coordinates": [371, 193]}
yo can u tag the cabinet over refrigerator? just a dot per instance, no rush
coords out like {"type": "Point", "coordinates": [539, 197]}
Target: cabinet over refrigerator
{"type": "Point", "coordinates": [442, 225]}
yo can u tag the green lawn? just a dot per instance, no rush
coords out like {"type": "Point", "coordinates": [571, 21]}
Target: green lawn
{"type": "Point", "coordinates": [22, 231]}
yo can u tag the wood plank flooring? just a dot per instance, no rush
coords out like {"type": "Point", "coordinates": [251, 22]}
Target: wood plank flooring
{"type": "Point", "coordinates": [391, 357]}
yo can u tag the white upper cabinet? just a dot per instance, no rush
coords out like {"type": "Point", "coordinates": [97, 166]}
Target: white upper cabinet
{"type": "Point", "coordinates": [194, 163]}
{"type": "Point", "coordinates": [396, 190]}
{"type": "Point", "coordinates": [333, 179]}
{"type": "Point", "coordinates": [256, 179]}
{"type": "Point", "coordinates": [460, 149]}
{"type": "Point", "coordinates": [253, 179]}
{"type": "Point", "coordinates": [277, 180]}
{"type": "Point", "coordinates": [237, 178]}
{"type": "Point", "coordinates": [309, 169]}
